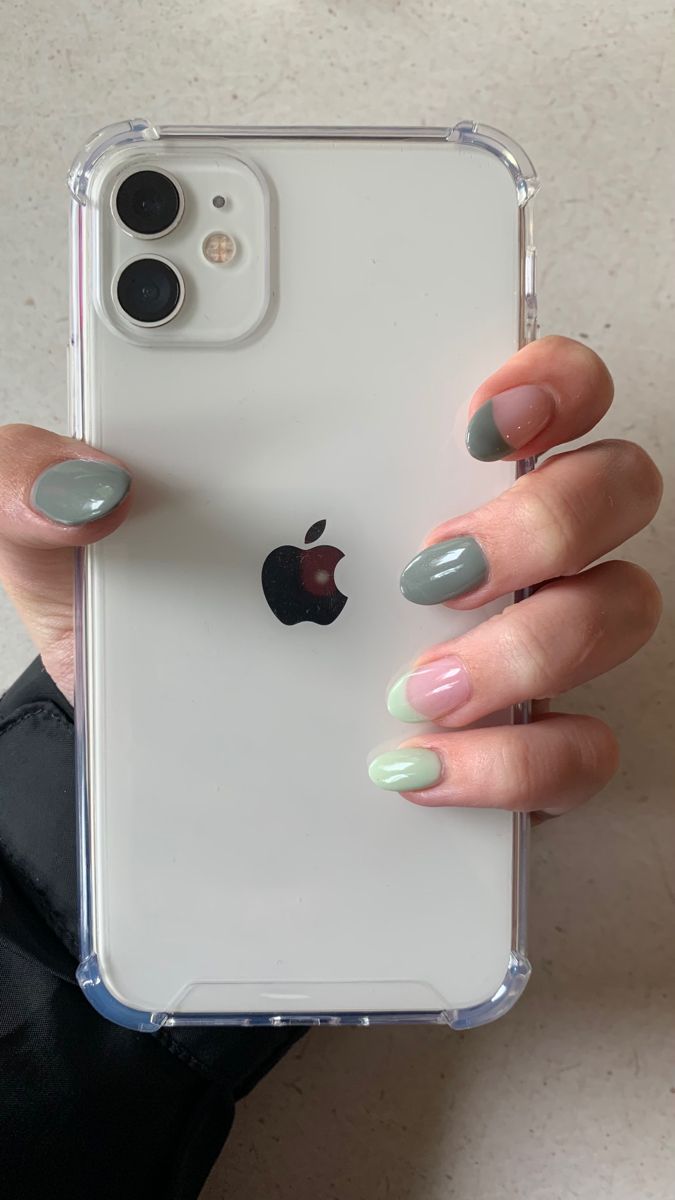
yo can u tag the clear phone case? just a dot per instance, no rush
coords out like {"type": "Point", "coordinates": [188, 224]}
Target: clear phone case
{"type": "Point", "coordinates": [108, 1000]}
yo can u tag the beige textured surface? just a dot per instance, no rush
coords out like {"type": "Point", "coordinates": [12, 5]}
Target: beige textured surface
{"type": "Point", "coordinates": [573, 1095]}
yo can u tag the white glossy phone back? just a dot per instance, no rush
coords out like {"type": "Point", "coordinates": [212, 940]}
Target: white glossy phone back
{"type": "Point", "coordinates": [239, 861]}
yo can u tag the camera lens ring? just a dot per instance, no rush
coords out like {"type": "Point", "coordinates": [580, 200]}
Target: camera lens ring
{"type": "Point", "coordinates": [153, 216]}
{"type": "Point", "coordinates": [165, 291]}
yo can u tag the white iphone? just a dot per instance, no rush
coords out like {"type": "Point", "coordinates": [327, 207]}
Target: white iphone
{"type": "Point", "coordinates": [278, 331]}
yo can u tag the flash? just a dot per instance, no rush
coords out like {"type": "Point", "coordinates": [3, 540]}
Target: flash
{"type": "Point", "coordinates": [219, 248]}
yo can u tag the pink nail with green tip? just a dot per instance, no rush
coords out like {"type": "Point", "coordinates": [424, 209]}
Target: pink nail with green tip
{"type": "Point", "coordinates": [430, 691]}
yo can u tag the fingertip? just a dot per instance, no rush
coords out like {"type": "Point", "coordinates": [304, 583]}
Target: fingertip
{"type": "Point", "coordinates": [569, 371]}
{"type": "Point", "coordinates": [608, 748]}
{"type": "Point", "coordinates": [78, 494]}
{"type": "Point", "coordinates": [594, 744]}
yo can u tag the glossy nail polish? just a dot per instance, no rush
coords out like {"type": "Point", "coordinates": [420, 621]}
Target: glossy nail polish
{"type": "Point", "coordinates": [444, 571]}
{"type": "Point", "coordinates": [430, 691]}
{"type": "Point", "coordinates": [406, 770]}
{"type": "Point", "coordinates": [79, 490]}
{"type": "Point", "coordinates": [509, 421]}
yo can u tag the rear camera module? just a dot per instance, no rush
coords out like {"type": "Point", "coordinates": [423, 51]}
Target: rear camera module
{"type": "Point", "coordinates": [149, 291]}
{"type": "Point", "coordinates": [148, 203]}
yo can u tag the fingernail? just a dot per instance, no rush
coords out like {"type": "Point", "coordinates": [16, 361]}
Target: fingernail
{"type": "Point", "coordinates": [430, 691]}
{"type": "Point", "coordinates": [508, 421]}
{"type": "Point", "coordinates": [79, 490]}
{"type": "Point", "coordinates": [406, 770]}
{"type": "Point", "coordinates": [444, 571]}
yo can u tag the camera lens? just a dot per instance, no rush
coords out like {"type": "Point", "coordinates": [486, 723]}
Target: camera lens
{"type": "Point", "coordinates": [148, 203]}
{"type": "Point", "coordinates": [150, 291]}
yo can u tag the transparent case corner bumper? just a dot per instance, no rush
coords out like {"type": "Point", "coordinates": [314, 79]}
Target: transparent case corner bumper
{"type": "Point", "coordinates": [89, 978]}
{"type": "Point", "coordinates": [512, 988]}
{"type": "Point", "coordinates": [507, 151]}
{"type": "Point", "coordinates": [111, 137]}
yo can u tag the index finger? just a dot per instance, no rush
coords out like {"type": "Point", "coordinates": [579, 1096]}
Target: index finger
{"type": "Point", "coordinates": [550, 392]}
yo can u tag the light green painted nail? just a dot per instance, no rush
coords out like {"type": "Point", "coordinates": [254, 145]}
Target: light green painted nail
{"type": "Point", "coordinates": [406, 770]}
{"type": "Point", "coordinates": [80, 490]}
{"type": "Point", "coordinates": [398, 704]}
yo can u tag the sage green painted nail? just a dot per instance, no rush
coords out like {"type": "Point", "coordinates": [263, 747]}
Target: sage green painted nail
{"type": "Point", "coordinates": [444, 571]}
{"type": "Point", "coordinates": [79, 490]}
{"type": "Point", "coordinates": [398, 704]}
{"type": "Point", "coordinates": [406, 770]}
{"type": "Point", "coordinates": [483, 439]}
{"type": "Point", "coordinates": [509, 421]}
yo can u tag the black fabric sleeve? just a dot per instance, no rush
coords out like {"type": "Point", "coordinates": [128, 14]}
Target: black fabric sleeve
{"type": "Point", "coordinates": [86, 1108]}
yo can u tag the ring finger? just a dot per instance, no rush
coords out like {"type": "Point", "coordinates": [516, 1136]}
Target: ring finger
{"type": "Point", "coordinates": [567, 633]}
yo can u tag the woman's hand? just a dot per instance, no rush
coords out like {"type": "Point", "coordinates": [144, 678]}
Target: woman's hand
{"type": "Point", "coordinates": [582, 620]}
{"type": "Point", "coordinates": [57, 493]}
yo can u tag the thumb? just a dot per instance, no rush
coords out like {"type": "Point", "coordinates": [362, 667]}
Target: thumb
{"type": "Point", "coordinates": [55, 494]}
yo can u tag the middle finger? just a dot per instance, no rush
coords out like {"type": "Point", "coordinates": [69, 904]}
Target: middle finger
{"type": "Point", "coordinates": [554, 521]}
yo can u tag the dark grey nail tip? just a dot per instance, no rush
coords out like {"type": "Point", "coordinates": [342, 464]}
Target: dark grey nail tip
{"type": "Point", "coordinates": [444, 571]}
{"type": "Point", "coordinates": [483, 440]}
{"type": "Point", "coordinates": [80, 490]}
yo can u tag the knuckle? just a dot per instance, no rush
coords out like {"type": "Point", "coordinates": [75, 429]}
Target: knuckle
{"type": "Point", "coordinates": [642, 598]}
{"type": "Point", "coordinates": [13, 436]}
{"type": "Point", "coordinates": [576, 649]}
{"type": "Point", "coordinates": [526, 654]}
{"type": "Point", "coordinates": [597, 373]}
{"type": "Point", "coordinates": [22, 445]}
{"type": "Point", "coordinates": [634, 468]}
{"type": "Point", "coordinates": [572, 353]}
{"type": "Point", "coordinates": [517, 774]}
{"type": "Point", "coordinates": [553, 524]}
{"type": "Point", "coordinates": [648, 478]}
{"type": "Point", "coordinates": [597, 749]}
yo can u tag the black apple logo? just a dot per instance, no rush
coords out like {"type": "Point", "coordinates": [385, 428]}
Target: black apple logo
{"type": "Point", "coordinates": [299, 585]}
